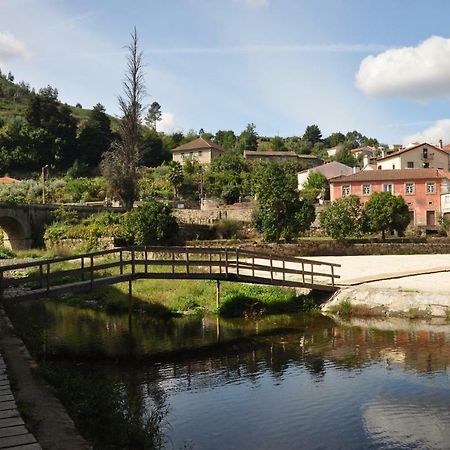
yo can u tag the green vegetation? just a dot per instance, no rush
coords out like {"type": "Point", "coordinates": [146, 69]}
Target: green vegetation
{"type": "Point", "coordinates": [166, 297]}
{"type": "Point", "coordinates": [5, 253]}
{"type": "Point", "coordinates": [149, 224]}
{"type": "Point", "coordinates": [104, 413]}
{"type": "Point", "coordinates": [386, 212]}
{"type": "Point", "coordinates": [345, 308]}
{"type": "Point", "coordinates": [342, 219]}
{"type": "Point", "coordinates": [281, 213]}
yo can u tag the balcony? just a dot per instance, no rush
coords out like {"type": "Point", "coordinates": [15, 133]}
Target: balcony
{"type": "Point", "coordinates": [427, 156]}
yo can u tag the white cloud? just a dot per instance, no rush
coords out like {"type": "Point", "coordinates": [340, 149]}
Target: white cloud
{"type": "Point", "coordinates": [10, 47]}
{"type": "Point", "coordinates": [439, 130]}
{"type": "Point", "coordinates": [254, 3]}
{"type": "Point", "coordinates": [419, 72]}
{"type": "Point", "coordinates": [167, 123]}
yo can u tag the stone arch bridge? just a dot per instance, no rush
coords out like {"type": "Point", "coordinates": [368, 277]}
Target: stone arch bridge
{"type": "Point", "coordinates": [23, 225]}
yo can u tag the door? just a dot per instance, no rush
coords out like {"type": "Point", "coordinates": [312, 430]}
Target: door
{"type": "Point", "coordinates": [411, 217]}
{"type": "Point", "coordinates": [431, 218]}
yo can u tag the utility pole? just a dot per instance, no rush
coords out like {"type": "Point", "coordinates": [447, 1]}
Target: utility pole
{"type": "Point", "coordinates": [43, 183]}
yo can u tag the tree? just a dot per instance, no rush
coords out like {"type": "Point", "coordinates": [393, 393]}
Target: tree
{"type": "Point", "coordinates": [119, 165]}
{"type": "Point", "coordinates": [248, 139]}
{"type": "Point", "coordinates": [312, 134]}
{"type": "Point", "coordinates": [95, 137]}
{"type": "Point", "coordinates": [344, 156]}
{"type": "Point", "coordinates": [335, 139]}
{"type": "Point", "coordinates": [154, 152]}
{"type": "Point", "coordinates": [154, 115]}
{"type": "Point", "coordinates": [277, 144]}
{"type": "Point", "coordinates": [386, 212]}
{"type": "Point", "coordinates": [149, 223]}
{"type": "Point", "coordinates": [225, 176]}
{"type": "Point", "coordinates": [281, 214]}
{"type": "Point", "coordinates": [226, 139]}
{"type": "Point", "coordinates": [313, 186]}
{"type": "Point", "coordinates": [343, 218]}
{"type": "Point", "coordinates": [175, 176]}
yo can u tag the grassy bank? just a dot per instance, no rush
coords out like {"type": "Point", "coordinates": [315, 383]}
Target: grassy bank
{"type": "Point", "coordinates": [169, 297]}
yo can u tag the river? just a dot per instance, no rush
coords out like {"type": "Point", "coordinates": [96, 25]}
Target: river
{"type": "Point", "coordinates": [278, 382]}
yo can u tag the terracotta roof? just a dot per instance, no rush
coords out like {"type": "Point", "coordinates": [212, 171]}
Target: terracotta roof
{"type": "Point", "coordinates": [364, 147]}
{"type": "Point", "coordinates": [8, 180]}
{"type": "Point", "coordinates": [395, 174]}
{"type": "Point", "coordinates": [400, 152]}
{"type": "Point", "coordinates": [198, 144]}
{"type": "Point", "coordinates": [331, 170]}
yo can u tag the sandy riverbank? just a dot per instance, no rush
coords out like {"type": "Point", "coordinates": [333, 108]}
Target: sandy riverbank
{"type": "Point", "coordinates": [393, 284]}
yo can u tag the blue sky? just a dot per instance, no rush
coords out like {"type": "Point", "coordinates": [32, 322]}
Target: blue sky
{"type": "Point", "coordinates": [381, 67]}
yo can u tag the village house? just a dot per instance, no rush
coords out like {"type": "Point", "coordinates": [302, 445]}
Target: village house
{"type": "Point", "coordinates": [366, 150]}
{"type": "Point", "coordinates": [200, 150]}
{"type": "Point", "coordinates": [426, 191]}
{"type": "Point", "coordinates": [329, 170]}
{"type": "Point", "coordinates": [417, 156]}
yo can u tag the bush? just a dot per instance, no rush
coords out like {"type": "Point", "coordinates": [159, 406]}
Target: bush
{"type": "Point", "coordinates": [227, 229]}
{"type": "Point", "coordinates": [342, 219]}
{"type": "Point", "coordinates": [149, 224]}
{"type": "Point", "coordinates": [5, 253]}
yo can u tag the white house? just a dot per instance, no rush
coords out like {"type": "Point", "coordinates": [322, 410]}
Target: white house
{"type": "Point", "coordinates": [420, 156]}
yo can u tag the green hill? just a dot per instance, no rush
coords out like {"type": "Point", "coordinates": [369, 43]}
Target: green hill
{"type": "Point", "coordinates": [14, 98]}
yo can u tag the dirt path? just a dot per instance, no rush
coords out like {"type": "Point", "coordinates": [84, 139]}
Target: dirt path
{"type": "Point", "coordinates": [42, 411]}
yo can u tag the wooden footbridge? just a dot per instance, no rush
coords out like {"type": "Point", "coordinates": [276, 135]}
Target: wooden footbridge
{"type": "Point", "coordinates": [63, 275]}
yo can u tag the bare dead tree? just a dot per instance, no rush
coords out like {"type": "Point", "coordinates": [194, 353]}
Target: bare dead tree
{"type": "Point", "coordinates": [119, 165]}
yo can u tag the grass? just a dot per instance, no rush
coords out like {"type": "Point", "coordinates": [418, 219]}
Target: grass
{"type": "Point", "coordinates": [168, 297]}
{"type": "Point", "coordinates": [343, 309]}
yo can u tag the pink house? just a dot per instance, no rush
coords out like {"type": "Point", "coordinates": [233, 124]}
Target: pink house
{"type": "Point", "coordinates": [420, 188]}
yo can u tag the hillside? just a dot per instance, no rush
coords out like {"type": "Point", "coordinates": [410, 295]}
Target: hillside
{"type": "Point", "coordinates": [14, 98]}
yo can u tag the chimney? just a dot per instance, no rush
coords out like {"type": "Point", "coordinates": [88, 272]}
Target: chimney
{"type": "Point", "coordinates": [366, 161]}
{"type": "Point", "coordinates": [440, 143]}
{"type": "Point", "coordinates": [383, 152]}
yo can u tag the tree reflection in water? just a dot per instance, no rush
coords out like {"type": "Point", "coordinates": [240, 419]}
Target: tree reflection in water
{"type": "Point", "coordinates": [124, 385]}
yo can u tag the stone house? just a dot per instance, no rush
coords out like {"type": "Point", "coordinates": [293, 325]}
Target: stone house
{"type": "Point", "coordinates": [200, 150]}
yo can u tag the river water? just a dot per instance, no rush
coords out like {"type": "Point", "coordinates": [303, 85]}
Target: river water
{"type": "Point", "coordinates": [279, 382]}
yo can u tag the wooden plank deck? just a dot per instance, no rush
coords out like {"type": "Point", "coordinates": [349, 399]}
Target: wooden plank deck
{"type": "Point", "coordinates": [13, 433]}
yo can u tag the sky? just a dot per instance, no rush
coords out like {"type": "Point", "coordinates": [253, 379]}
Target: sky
{"type": "Point", "coordinates": [381, 67]}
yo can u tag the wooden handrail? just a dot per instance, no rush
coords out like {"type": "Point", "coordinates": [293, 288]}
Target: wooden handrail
{"type": "Point", "coordinates": [229, 265]}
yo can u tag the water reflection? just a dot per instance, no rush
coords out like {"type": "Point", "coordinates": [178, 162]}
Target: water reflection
{"type": "Point", "coordinates": [279, 382]}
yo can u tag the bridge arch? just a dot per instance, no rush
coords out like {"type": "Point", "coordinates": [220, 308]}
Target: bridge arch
{"type": "Point", "coordinates": [16, 234]}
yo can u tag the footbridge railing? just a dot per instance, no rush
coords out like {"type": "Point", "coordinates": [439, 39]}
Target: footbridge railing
{"type": "Point", "coordinates": [124, 264]}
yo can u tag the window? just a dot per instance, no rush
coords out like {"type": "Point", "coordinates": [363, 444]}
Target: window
{"type": "Point", "coordinates": [431, 187]}
{"type": "Point", "coordinates": [410, 165]}
{"type": "Point", "coordinates": [366, 188]}
{"type": "Point", "coordinates": [425, 153]}
{"type": "Point", "coordinates": [200, 153]}
{"type": "Point", "coordinates": [345, 190]}
{"type": "Point", "coordinates": [388, 187]}
{"type": "Point", "coordinates": [379, 167]}
{"type": "Point", "coordinates": [393, 166]}
{"type": "Point", "coordinates": [181, 156]}
{"type": "Point", "coordinates": [409, 188]}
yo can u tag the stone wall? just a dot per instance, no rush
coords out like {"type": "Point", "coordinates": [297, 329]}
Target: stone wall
{"type": "Point", "coordinates": [342, 248]}
{"type": "Point", "coordinates": [210, 216]}
{"type": "Point", "coordinates": [328, 247]}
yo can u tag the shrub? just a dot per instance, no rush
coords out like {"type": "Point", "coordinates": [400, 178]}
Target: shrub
{"type": "Point", "coordinates": [227, 229]}
{"type": "Point", "coordinates": [342, 218]}
{"type": "Point", "coordinates": [149, 223]}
